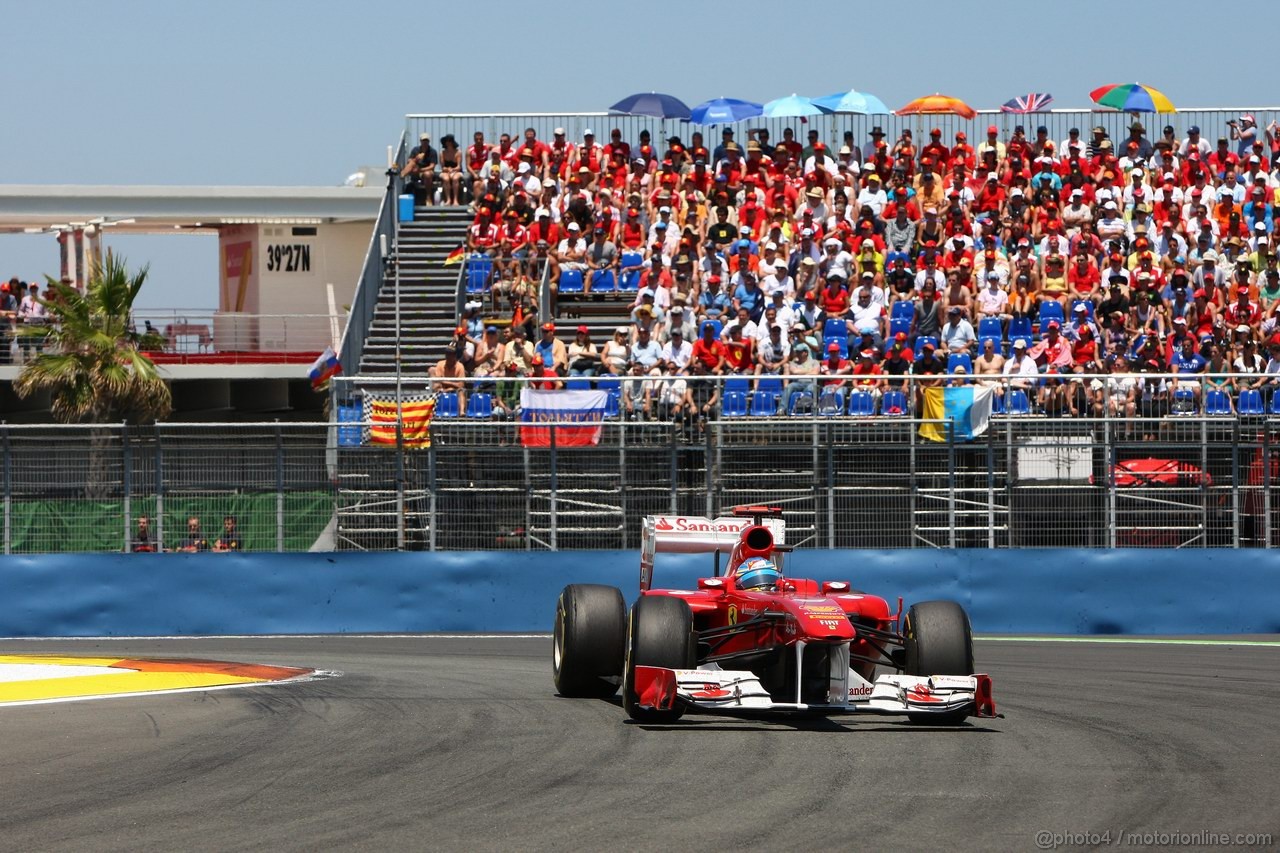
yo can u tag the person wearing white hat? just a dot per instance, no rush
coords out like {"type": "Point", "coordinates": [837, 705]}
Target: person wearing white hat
{"type": "Point", "coordinates": [1245, 131]}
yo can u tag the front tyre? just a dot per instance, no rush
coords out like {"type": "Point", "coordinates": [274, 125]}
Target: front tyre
{"type": "Point", "coordinates": [589, 641]}
{"type": "Point", "coordinates": [660, 634]}
{"type": "Point", "coordinates": [937, 640]}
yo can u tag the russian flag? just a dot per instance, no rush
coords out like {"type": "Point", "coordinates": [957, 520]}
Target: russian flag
{"type": "Point", "coordinates": [324, 368]}
{"type": "Point", "coordinates": [581, 411]}
{"type": "Point", "coordinates": [967, 408]}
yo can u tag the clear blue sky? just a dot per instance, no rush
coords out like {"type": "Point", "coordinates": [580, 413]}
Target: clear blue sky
{"type": "Point", "coordinates": [301, 93]}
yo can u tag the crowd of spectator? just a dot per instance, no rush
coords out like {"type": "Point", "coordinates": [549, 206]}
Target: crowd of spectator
{"type": "Point", "coordinates": [20, 305]}
{"type": "Point", "coordinates": [1023, 259]}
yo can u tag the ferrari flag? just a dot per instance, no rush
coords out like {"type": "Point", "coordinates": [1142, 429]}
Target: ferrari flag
{"type": "Point", "coordinates": [416, 427]}
{"type": "Point", "coordinates": [967, 409]}
{"type": "Point", "coordinates": [578, 413]}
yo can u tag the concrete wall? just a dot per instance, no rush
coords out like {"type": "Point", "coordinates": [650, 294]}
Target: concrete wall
{"type": "Point", "coordinates": [1072, 592]}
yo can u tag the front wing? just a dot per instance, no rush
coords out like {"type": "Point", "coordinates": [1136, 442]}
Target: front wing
{"type": "Point", "coordinates": [740, 691]}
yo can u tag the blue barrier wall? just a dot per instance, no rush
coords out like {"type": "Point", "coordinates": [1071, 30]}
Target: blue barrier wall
{"type": "Point", "coordinates": [1052, 591]}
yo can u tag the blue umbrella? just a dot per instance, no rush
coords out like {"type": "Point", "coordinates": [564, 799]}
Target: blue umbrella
{"type": "Point", "coordinates": [793, 106]}
{"type": "Point", "coordinates": [853, 101]}
{"type": "Point", "coordinates": [724, 111]}
{"type": "Point", "coordinates": [653, 104]}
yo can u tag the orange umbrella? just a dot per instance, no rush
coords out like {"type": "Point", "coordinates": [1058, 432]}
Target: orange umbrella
{"type": "Point", "coordinates": [936, 103]}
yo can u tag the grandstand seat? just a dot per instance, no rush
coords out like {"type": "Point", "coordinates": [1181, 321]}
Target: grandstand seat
{"type": "Point", "coordinates": [1216, 402]}
{"type": "Point", "coordinates": [959, 359]}
{"type": "Point", "coordinates": [835, 332]}
{"type": "Point", "coordinates": [577, 383]}
{"type": "Point", "coordinates": [736, 385]}
{"type": "Point", "coordinates": [447, 405]}
{"type": "Point", "coordinates": [1088, 306]}
{"type": "Point", "coordinates": [1050, 310]}
{"type": "Point", "coordinates": [1017, 402]}
{"type": "Point", "coordinates": [734, 404]}
{"type": "Point", "coordinates": [893, 403]}
{"type": "Point", "coordinates": [921, 341]}
{"type": "Point", "coordinates": [997, 404]}
{"type": "Point", "coordinates": [1275, 404]}
{"type": "Point", "coordinates": [716, 326]}
{"type": "Point", "coordinates": [570, 281]}
{"type": "Point", "coordinates": [770, 382]}
{"type": "Point", "coordinates": [478, 268]}
{"type": "Point", "coordinates": [899, 325]}
{"type": "Point", "coordinates": [613, 403]}
{"type": "Point", "coordinates": [1184, 401]}
{"type": "Point", "coordinates": [480, 405]}
{"type": "Point", "coordinates": [1020, 330]}
{"type": "Point", "coordinates": [764, 404]}
{"type": "Point", "coordinates": [802, 400]}
{"type": "Point", "coordinates": [831, 402]}
{"type": "Point", "coordinates": [903, 310]}
{"type": "Point", "coordinates": [991, 327]}
{"type": "Point", "coordinates": [630, 281]}
{"type": "Point", "coordinates": [862, 404]}
{"type": "Point", "coordinates": [604, 281]}
{"type": "Point", "coordinates": [1250, 402]}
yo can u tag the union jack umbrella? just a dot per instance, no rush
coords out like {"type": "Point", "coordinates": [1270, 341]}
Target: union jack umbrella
{"type": "Point", "coordinates": [1032, 103]}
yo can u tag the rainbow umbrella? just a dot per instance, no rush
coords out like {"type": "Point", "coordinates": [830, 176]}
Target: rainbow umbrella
{"type": "Point", "coordinates": [935, 104]}
{"type": "Point", "coordinates": [1132, 98]}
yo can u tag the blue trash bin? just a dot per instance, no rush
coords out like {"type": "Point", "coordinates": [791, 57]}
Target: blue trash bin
{"type": "Point", "coordinates": [406, 208]}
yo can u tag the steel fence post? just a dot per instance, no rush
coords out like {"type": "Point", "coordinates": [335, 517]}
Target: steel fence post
{"type": "Point", "coordinates": [951, 485]}
{"type": "Point", "coordinates": [399, 472]}
{"type": "Point", "coordinates": [707, 456]}
{"type": "Point", "coordinates": [279, 488]}
{"type": "Point", "coordinates": [622, 477]}
{"type": "Point", "coordinates": [1235, 484]}
{"type": "Point", "coordinates": [675, 473]}
{"type": "Point", "coordinates": [159, 475]}
{"type": "Point", "coordinates": [8, 484]}
{"type": "Point", "coordinates": [831, 481]}
{"type": "Point", "coordinates": [553, 523]}
{"type": "Point", "coordinates": [432, 497]}
{"type": "Point", "coordinates": [1109, 481]}
{"type": "Point", "coordinates": [126, 476]}
{"type": "Point", "coordinates": [991, 490]}
{"type": "Point", "coordinates": [1204, 490]}
{"type": "Point", "coordinates": [1266, 482]}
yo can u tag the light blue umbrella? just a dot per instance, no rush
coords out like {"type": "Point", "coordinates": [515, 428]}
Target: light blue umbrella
{"type": "Point", "coordinates": [853, 101]}
{"type": "Point", "coordinates": [724, 111]}
{"type": "Point", "coordinates": [792, 106]}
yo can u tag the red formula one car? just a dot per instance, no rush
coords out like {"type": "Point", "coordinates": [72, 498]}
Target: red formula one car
{"type": "Point", "coordinates": [750, 640]}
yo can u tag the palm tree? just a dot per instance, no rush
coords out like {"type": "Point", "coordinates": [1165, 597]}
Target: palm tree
{"type": "Point", "coordinates": [94, 367]}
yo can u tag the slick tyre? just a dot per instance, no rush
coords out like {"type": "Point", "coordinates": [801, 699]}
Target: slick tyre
{"type": "Point", "coordinates": [589, 641]}
{"type": "Point", "coordinates": [938, 641]}
{"type": "Point", "coordinates": [660, 634]}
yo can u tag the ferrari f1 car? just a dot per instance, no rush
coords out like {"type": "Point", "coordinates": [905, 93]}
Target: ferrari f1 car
{"type": "Point", "coordinates": [750, 640]}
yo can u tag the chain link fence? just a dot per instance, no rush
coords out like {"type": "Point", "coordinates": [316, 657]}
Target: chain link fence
{"type": "Point", "coordinates": [1027, 482]}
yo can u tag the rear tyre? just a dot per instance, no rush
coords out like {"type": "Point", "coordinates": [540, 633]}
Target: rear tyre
{"type": "Point", "coordinates": [937, 640]}
{"type": "Point", "coordinates": [589, 641]}
{"type": "Point", "coordinates": [660, 634]}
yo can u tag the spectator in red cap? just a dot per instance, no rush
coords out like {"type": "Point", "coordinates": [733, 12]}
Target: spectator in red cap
{"type": "Point", "coordinates": [555, 355]}
{"type": "Point", "coordinates": [583, 357]}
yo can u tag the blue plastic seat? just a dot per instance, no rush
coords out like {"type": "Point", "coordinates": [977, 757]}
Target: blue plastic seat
{"type": "Point", "coordinates": [862, 404]}
{"type": "Point", "coordinates": [577, 383]}
{"type": "Point", "coordinates": [734, 404]}
{"type": "Point", "coordinates": [716, 327]}
{"type": "Point", "coordinates": [1050, 310]}
{"type": "Point", "coordinates": [802, 400]}
{"type": "Point", "coordinates": [843, 343]}
{"type": "Point", "coordinates": [893, 403]}
{"type": "Point", "coordinates": [629, 282]}
{"type": "Point", "coordinates": [603, 281]}
{"type": "Point", "coordinates": [1275, 404]}
{"type": "Point", "coordinates": [921, 341]}
{"type": "Point", "coordinates": [736, 385]}
{"type": "Point", "coordinates": [903, 310]}
{"type": "Point", "coordinates": [764, 404]}
{"type": "Point", "coordinates": [1184, 401]}
{"type": "Point", "coordinates": [835, 330]}
{"type": "Point", "coordinates": [1088, 307]}
{"type": "Point", "coordinates": [1250, 402]}
{"type": "Point", "coordinates": [570, 281]}
{"type": "Point", "coordinates": [990, 327]}
{"type": "Point", "coordinates": [1020, 330]}
{"type": "Point", "coordinates": [770, 382]}
{"type": "Point", "coordinates": [959, 359]}
{"type": "Point", "coordinates": [899, 325]}
{"type": "Point", "coordinates": [480, 405]}
{"type": "Point", "coordinates": [997, 404]}
{"type": "Point", "coordinates": [479, 267]}
{"type": "Point", "coordinates": [831, 402]}
{"type": "Point", "coordinates": [613, 404]}
{"type": "Point", "coordinates": [447, 405]}
{"type": "Point", "coordinates": [1216, 402]}
{"type": "Point", "coordinates": [1017, 402]}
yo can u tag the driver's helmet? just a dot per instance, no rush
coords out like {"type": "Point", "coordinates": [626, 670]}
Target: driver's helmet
{"type": "Point", "coordinates": [758, 573]}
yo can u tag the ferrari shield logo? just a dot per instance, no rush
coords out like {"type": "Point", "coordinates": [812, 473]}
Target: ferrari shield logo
{"type": "Point", "coordinates": [733, 614]}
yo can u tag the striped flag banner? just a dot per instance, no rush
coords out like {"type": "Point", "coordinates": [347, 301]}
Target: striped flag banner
{"type": "Point", "coordinates": [967, 408]}
{"type": "Point", "coordinates": [582, 411]}
{"type": "Point", "coordinates": [416, 427]}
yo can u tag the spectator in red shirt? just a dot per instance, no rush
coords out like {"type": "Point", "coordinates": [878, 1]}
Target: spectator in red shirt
{"type": "Point", "coordinates": [834, 298]}
{"type": "Point", "coordinates": [709, 351]}
{"type": "Point", "coordinates": [738, 352]}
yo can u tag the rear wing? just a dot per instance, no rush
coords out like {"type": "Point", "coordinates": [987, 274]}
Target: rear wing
{"type": "Point", "coordinates": [692, 534]}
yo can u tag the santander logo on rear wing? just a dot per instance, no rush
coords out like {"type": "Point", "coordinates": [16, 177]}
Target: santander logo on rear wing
{"type": "Point", "coordinates": [693, 534]}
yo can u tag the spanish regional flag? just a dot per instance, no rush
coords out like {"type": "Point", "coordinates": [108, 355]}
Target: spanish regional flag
{"type": "Point", "coordinates": [966, 409]}
{"type": "Point", "coordinates": [455, 257]}
{"type": "Point", "coordinates": [416, 427]}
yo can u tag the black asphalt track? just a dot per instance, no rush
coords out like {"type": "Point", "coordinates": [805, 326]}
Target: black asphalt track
{"type": "Point", "coordinates": [460, 744]}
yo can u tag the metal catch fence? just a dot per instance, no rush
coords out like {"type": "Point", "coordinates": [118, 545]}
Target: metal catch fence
{"type": "Point", "coordinates": [1027, 482]}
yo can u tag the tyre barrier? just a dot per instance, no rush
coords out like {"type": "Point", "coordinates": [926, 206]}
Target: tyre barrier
{"type": "Point", "coordinates": [1042, 591]}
